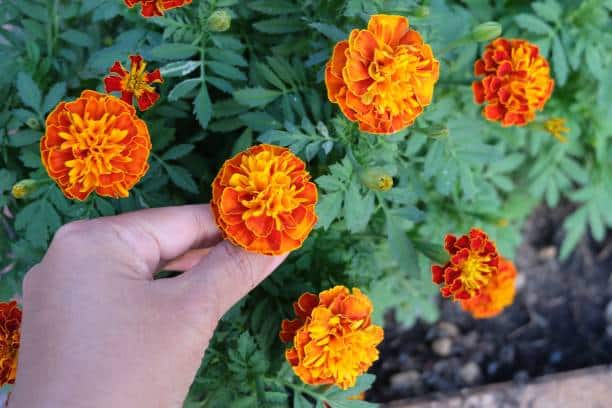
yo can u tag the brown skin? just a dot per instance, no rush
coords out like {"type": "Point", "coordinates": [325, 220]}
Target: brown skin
{"type": "Point", "coordinates": [98, 331]}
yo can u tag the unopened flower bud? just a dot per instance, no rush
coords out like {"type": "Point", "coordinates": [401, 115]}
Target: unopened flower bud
{"type": "Point", "coordinates": [486, 31]}
{"type": "Point", "coordinates": [33, 123]}
{"type": "Point", "coordinates": [421, 11]}
{"type": "Point", "coordinates": [25, 187]}
{"type": "Point", "coordinates": [377, 179]}
{"type": "Point", "coordinates": [219, 20]}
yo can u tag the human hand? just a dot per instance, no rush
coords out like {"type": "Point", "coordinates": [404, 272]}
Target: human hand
{"type": "Point", "coordinates": [98, 331]}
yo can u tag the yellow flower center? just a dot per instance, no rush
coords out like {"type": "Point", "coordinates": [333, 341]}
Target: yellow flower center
{"type": "Point", "coordinates": [135, 81]}
{"type": "Point", "coordinates": [18, 191]}
{"type": "Point", "coordinates": [267, 179]}
{"type": "Point", "coordinates": [475, 272]}
{"type": "Point", "coordinates": [394, 72]}
{"type": "Point", "coordinates": [94, 144]}
{"type": "Point", "coordinates": [556, 127]}
{"type": "Point", "coordinates": [385, 183]}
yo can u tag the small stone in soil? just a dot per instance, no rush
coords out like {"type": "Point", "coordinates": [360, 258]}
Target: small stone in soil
{"type": "Point", "coordinates": [408, 380]}
{"type": "Point", "coordinates": [448, 329]}
{"type": "Point", "coordinates": [470, 373]}
{"type": "Point", "coordinates": [442, 346]}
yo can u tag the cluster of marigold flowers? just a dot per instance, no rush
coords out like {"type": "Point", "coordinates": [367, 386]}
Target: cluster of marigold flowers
{"type": "Point", "coordinates": [263, 200]}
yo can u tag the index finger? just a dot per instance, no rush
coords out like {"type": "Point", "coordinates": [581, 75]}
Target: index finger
{"type": "Point", "coordinates": [162, 234]}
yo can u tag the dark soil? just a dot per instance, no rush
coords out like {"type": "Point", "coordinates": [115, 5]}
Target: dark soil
{"type": "Point", "coordinates": [557, 323]}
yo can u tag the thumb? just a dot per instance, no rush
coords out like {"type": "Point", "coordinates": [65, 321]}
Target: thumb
{"type": "Point", "coordinates": [227, 273]}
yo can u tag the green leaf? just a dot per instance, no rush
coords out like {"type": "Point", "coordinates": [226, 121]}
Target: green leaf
{"type": "Point", "coordinates": [595, 63]}
{"type": "Point", "coordinates": [179, 68]}
{"type": "Point", "coordinates": [273, 7]}
{"type": "Point", "coordinates": [24, 137]}
{"type": "Point", "coordinates": [532, 24]}
{"type": "Point", "coordinates": [280, 25]}
{"type": "Point", "coordinates": [255, 97]}
{"type": "Point", "coordinates": [243, 142]}
{"type": "Point", "coordinates": [7, 179]}
{"type": "Point", "coordinates": [401, 247]}
{"type": "Point", "coordinates": [226, 70]}
{"type": "Point", "coordinates": [328, 208]}
{"type": "Point", "coordinates": [78, 38]}
{"type": "Point", "coordinates": [435, 252]}
{"type": "Point", "coordinates": [329, 183]}
{"type": "Point", "coordinates": [183, 88]}
{"type": "Point", "coordinates": [178, 151]}
{"type": "Point", "coordinates": [181, 177]}
{"type": "Point", "coordinates": [270, 76]}
{"type": "Point", "coordinates": [174, 51]}
{"type": "Point", "coordinates": [548, 10]}
{"type": "Point", "coordinates": [330, 31]}
{"type": "Point", "coordinates": [559, 61]}
{"type": "Point", "coordinates": [357, 208]}
{"type": "Point", "coordinates": [28, 91]}
{"type": "Point", "coordinates": [202, 107]}
{"type": "Point", "coordinates": [54, 96]}
{"type": "Point", "coordinates": [229, 57]}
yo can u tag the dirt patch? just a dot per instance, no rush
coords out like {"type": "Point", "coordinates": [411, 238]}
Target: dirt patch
{"type": "Point", "coordinates": [557, 323]}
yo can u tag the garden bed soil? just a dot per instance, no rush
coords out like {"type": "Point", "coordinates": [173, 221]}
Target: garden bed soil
{"type": "Point", "coordinates": [561, 320]}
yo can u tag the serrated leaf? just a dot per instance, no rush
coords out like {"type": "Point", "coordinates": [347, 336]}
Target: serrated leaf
{"type": "Point", "coordinates": [328, 208]}
{"type": "Point", "coordinates": [179, 68]}
{"type": "Point", "coordinates": [559, 61]}
{"type": "Point", "coordinates": [181, 177]}
{"type": "Point", "coordinates": [357, 208]}
{"type": "Point", "coordinates": [178, 151]}
{"type": "Point", "coordinates": [78, 38]}
{"type": "Point", "coordinates": [183, 88]}
{"type": "Point", "coordinates": [329, 183]}
{"type": "Point", "coordinates": [401, 247]}
{"type": "Point", "coordinates": [532, 24]}
{"type": "Point", "coordinates": [202, 107]}
{"type": "Point", "coordinates": [281, 25]}
{"type": "Point", "coordinates": [28, 91]}
{"type": "Point", "coordinates": [54, 96]}
{"type": "Point", "coordinates": [226, 70]}
{"type": "Point", "coordinates": [175, 51]}
{"type": "Point", "coordinates": [330, 31]}
{"type": "Point", "coordinates": [256, 97]}
{"type": "Point", "coordinates": [273, 7]}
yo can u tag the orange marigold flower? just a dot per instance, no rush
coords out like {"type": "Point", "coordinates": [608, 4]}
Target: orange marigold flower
{"type": "Point", "coordinates": [516, 81]}
{"type": "Point", "coordinates": [95, 143]}
{"type": "Point", "coordinates": [10, 322]}
{"type": "Point", "coordinates": [135, 83]}
{"type": "Point", "coordinates": [333, 338]}
{"type": "Point", "coordinates": [496, 295]}
{"type": "Point", "coordinates": [382, 77]}
{"type": "Point", "coordinates": [473, 261]}
{"type": "Point", "coordinates": [263, 200]}
{"type": "Point", "coordinates": [154, 8]}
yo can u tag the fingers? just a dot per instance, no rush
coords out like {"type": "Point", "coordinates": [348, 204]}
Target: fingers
{"type": "Point", "coordinates": [186, 261]}
{"type": "Point", "coordinates": [227, 273]}
{"type": "Point", "coordinates": [160, 235]}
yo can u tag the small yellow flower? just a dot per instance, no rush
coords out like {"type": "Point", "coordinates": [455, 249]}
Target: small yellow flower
{"type": "Point", "coordinates": [556, 127]}
{"type": "Point", "coordinates": [377, 179]}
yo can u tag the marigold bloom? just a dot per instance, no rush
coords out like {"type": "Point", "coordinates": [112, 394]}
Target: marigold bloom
{"type": "Point", "coordinates": [263, 200]}
{"type": "Point", "coordinates": [154, 8]}
{"type": "Point", "coordinates": [135, 83]}
{"type": "Point", "coordinates": [10, 322]}
{"type": "Point", "coordinates": [95, 143]}
{"type": "Point", "coordinates": [382, 77]}
{"type": "Point", "coordinates": [556, 127]}
{"type": "Point", "coordinates": [473, 261]}
{"type": "Point", "coordinates": [516, 81]}
{"type": "Point", "coordinates": [496, 295]}
{"type": "Point", "coordinates": [333, 338]}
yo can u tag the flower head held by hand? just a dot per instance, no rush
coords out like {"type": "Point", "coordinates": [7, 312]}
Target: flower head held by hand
{"type": "Point", "coordinates": [516, 82]}
{"type": "Point", "coordinates": [156, 8]}
{"type": "Point", "coordinates": [496, 295]}
{"type": "Point", "coordinates": [333, 338]}
{"type": "Point", "coordinates": [382, 77]}
{"type": "Point", "coordinates": [95, 143]}
{"type": "Point", "coordinates": [10, 323]}
{"type": "Point", "coordinates": [473, 262]}
{"type": "Point", "coordinates": [135, 83]}
{"type": "Point", "coordinates": [263, 200]}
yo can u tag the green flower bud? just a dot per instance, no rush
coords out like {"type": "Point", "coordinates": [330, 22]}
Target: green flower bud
{"type": "Point", "coordinates": [33, 123]}
{"type": "Point", "coordinates": [26, 187]}
{"type": "Point", "coordinates": [377, 179]}
{"type": "Point", "coordinates": [421, 11]}
{"type": "Point", "coordinates": [220, 20]}
{"type": "Point", "coordinates": [486, 31]}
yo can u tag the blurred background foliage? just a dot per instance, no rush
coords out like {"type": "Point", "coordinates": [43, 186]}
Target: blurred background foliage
{"type": "Point", "coordinates": [262, 81]}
